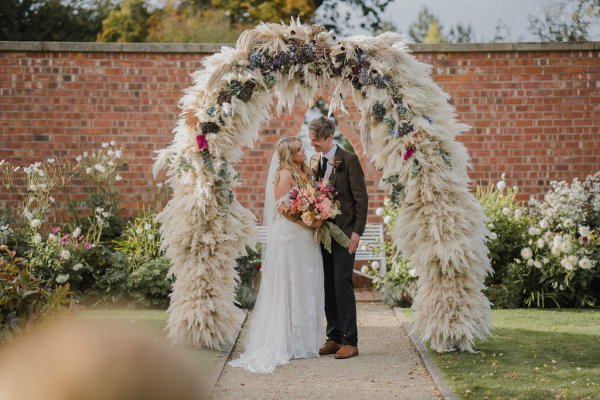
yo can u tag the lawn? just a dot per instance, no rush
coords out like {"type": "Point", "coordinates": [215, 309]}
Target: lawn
{"type": "Point", "coordinates": [155, 320]}
{"type": "Point", "coordinates": [533, 354]}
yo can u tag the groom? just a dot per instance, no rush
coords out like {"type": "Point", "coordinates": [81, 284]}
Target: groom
{"type": "Point", "coordinates": [344, 172]}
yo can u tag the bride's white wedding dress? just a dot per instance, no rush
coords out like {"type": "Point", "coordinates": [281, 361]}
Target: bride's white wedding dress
{"type": "Point", "coordinates": [287, 319]}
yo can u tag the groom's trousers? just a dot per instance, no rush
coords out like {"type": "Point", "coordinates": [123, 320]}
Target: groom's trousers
{"type": "Point", "coordinates": [340, 303]}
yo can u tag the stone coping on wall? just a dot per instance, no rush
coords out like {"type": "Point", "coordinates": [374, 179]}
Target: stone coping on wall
{"type": "Point", "coordinates": [215, 47]}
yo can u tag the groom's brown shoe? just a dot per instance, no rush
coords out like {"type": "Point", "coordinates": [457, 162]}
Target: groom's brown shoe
{"type": "Point", "coordinates": [330, 347]}
{"type": "Point", "coordinates": [346, 351]}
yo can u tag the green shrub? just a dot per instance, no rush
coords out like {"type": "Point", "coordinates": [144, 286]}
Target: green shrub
{"type": "Point", "coordinates": [23, 296]}
{"type": "Point", "coordinates": [149, 283]}
{"type": "Point", "coordinates": [248, 268]}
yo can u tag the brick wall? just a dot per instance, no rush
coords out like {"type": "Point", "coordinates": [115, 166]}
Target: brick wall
{"type": "Point", "coordinates": [534, 109]}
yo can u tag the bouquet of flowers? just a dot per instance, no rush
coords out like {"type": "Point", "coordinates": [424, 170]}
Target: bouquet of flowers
{"type": "Point", "coordinates": [312, 201]}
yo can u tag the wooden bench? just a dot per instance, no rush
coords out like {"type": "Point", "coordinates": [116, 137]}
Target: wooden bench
{"type": "Point", "coordinates": [371, 238]}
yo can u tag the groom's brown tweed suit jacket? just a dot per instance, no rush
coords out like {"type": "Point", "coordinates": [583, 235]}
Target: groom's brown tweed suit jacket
{"type": "Point", "coordinates": [349, 181]}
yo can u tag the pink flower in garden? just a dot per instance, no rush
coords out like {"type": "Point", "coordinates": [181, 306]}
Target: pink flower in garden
{"type": "Point", "coordinates": [409, 152]}
{"type": "Point", "coordinates": [201, 141]}
{"type": "Point", "coordinates": [87, 245]}
{"type": "Point", "coordinates": [80, 237]}
{"type": "Point", "coordinates": [56, 229]}
{"type": "Point", "coordinates": [63, 240]}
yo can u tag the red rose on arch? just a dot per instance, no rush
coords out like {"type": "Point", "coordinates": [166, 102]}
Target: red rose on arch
{"type": "Point", "coordinates": [201, 142]}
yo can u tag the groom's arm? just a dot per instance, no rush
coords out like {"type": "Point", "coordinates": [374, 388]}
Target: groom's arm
{"type": "Point", "coordinates": [358, 189]}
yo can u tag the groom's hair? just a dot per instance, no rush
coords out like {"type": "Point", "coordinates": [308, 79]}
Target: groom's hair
{"type": "Point", "coordinates": [321, 127]}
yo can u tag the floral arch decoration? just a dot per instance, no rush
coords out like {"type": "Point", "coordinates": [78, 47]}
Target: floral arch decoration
{"type": "Point", "coordinates": [408, 129]}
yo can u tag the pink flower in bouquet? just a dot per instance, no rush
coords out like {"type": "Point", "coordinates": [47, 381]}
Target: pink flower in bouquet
{"type": "Point", "coordinates": [56, 229]}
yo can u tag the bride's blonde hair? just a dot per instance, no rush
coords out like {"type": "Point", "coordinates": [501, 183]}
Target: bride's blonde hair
{"type": "Point", "coordinates": [286, 149]}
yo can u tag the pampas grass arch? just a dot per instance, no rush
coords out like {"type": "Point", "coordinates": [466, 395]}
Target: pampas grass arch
{"type": "Point", "coordinates": [407, 128]}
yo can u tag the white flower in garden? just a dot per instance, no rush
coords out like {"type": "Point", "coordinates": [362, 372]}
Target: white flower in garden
{"type": "Point", "coordinates": [540, 243]}
{"type": "Point", "coordinates": [111, 163]}
{"type": "Point", "coordinates": [118, 178]}
{"type": "Point", "coordinates": [533, 231]}
{"type": "Point", "coordinates": [62, 278]}
{"type": "Point", "coordinates": [139, 231]}
{"type": "Point", "coordinates": [78, 158]}
{"type": "Point", "coordinates": [503, 176]}
{"type": "Point", "coordinates": [375, 264]}
{"type": "Point", "coordinates": [99, 210]}
{"type": "Point", "coordinates": [100, 168]}
{"type": "Point", "coordinates": [584, 231]}
{"type": "Point", "coordinates": [51, 161]}
{"type": "Point", "coordinates": [379, 212]}
{"type": "Point", "coordinates": [16, 169]}
{"type": "Point", "coordinates": [118, 154]}
{"type": "Point", "coordinates": [567, 223]}
{"type": "Point", "coordinates": [545, 260]}
{"type": "Point", "coordinates": [106, 214]}
{"type": "Point", "coordinates": [585, 263]}
{"type": "Point", "coordinates": [506, 211]}
{"type": "Point", "coordinates": [37, 238]}
{"type": "Point", "coordinates": [569, 262]}
{"type": "Point", "coordinates": [537, 264]}
{"type": "Point", "coordinates": [65, 254]}
{"type": "Point", "coordinates": [412, 272]}
{"type": "Point", "coordinates": [526, 253]}
{"type": "Point", "coordinates": [51, 199]}
{"type": "Point", "coordinates": [543, 224]}
{"type": "Point", "coordinates": [113, 143]}
{"type": "Point", "coordinates": [387, 201]}
{"type": "Point", "coordinates": [364, 269]}
{"type": "Point", "coordinates": [77, 267]}
{"type": "Point", "coordinates": [147, 227]}
{"type": "Point", "coordinates": [566, 244]}
{"type": "Point", "coordinates": [104, 145]}
{"type": "Point", "coordinates": [518, 213]}
{"type": "Point", "coordinates": [515, 189]}
{"type": "Point", "coordinates": [88, 170]}
{"type": "Point", "coordinates": [52, 238]}
{"type": "Point", "coordinates": [501, 185]}
{"type": "Point", "coordinates": [150, 236]}
{"type": "Point", "coordinates": [76, 232]}
{"type": "Point", "coordinates": [41, 173]}
{"type": "Point", "coordinates": [35, 223]}
{"type": "Point", "coordinates": [493, 236]}
{"type": "Point", "coordinates": [110, 152]}
{"type": "Point", "coordinates": [387, 219]}
{"type": "Point", "coordinates": [530, 262]}
{"type": "Point", "coordinates": [491, 225]}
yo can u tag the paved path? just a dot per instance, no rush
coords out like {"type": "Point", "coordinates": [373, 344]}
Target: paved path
{"type": "Point", "coordinates": [388, 368]}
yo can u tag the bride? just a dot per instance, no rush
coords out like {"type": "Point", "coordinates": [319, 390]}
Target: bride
{"type": "Point", "coordinates": [287, 319]}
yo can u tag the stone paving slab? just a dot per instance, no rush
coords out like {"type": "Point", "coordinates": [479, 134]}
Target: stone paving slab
{"type": "Point", "coordinates": [388, 367]}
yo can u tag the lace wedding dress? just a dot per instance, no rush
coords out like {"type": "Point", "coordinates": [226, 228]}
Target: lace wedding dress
{"type": "Point", "coordinates": [287, 319]}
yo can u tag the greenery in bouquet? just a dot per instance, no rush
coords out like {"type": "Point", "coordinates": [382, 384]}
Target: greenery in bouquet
{"type": "Point", "coordinates": [23, 295]}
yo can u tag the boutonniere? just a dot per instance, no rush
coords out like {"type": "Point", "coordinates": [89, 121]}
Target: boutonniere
{"type": "Point", "coordinates": [336, 165]}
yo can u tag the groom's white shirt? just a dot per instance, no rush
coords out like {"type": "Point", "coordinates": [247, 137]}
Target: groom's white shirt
{"type": "Point", "coordinates": [330, 154]}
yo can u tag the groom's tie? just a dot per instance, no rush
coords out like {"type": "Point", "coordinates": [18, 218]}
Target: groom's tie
{"type": "Point", "coordinates": [323, 167]}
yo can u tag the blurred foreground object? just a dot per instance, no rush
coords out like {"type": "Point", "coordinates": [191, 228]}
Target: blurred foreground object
{"type": "Point", "coordinates": [92, 360]}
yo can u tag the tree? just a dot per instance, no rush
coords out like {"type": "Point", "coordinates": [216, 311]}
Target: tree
{"type": "Point", "coordinates": [52, 20]}
{"type": "Point", "coordinates": [501, 32]}
{"type": "Point", "coordinates": [251, 12]}
{"type": "Point", "coordinates": [337, 15]}
{"type": "Point", "coordinates": [434, 34]}
{"type": "Point", "coordinates": [126, 23]}
{"type": "Point", "coordinates": [460, 34]}
{"type": "Point", "coordinates": [419, 29]}
{"type": "Point", "coordinates": [566, 21]}
{"type": "Point", "coordinates": [187, 24]}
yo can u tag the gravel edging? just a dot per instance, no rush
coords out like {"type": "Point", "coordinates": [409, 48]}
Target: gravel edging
{"type": "Point", "coordinates": [211, 381]}
{"type": "Point", "coordinates": [425, 357]}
